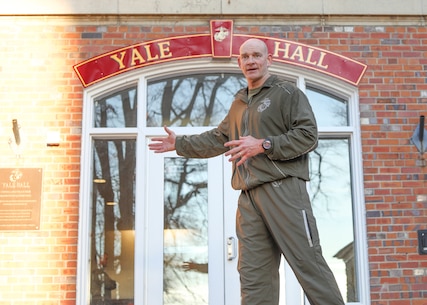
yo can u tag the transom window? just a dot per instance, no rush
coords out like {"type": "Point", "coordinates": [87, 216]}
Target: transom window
{"type": "Point", "coordinates": [192, 100]}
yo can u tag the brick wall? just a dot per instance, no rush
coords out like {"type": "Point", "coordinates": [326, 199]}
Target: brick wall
{"type": "Point", "coordinates": [39, 88]}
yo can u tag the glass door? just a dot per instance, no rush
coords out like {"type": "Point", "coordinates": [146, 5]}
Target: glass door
{"type": "Point", "coordinates": [185, 245]}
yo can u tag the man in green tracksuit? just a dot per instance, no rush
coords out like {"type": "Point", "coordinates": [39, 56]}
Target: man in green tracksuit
{"type": "Point", "coordinates": [267, 133]}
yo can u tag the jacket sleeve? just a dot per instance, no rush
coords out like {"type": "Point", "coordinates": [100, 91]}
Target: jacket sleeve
{"type": "Point", "coordinates": [205, 145]}
{"type": "Point", "coordinates": [301, 134]}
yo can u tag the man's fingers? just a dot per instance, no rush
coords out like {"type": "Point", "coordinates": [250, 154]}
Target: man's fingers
{"type": "Point", "coordinates": [233, 143]}
{"type": "Point", "coordinates": [169, 131]}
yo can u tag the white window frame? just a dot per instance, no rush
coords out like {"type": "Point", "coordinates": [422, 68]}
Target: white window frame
{"type": "Point", "coordinates": [139, 77]}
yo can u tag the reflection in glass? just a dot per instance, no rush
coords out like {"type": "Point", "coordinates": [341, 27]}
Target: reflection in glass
{"type": "Point", "coordinates": [331, 195]}
{"type": "Point", "coordinates": [196, 100]}
{"type": "Point", "coordinates": [329, 110]}
{"type": "Point", "coordinates": [113, 218]}
{"type": "Point", "coordinates": [185, 232]}
{"type": "Point", "coordinates": [116, 110]}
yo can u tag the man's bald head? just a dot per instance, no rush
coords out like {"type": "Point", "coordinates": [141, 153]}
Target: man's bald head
{"type": "Point", "coordinates": [254, 42]}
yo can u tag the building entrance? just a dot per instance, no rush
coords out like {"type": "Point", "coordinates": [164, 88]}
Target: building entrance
{"type": "Point", "coordinates": [167, 223]}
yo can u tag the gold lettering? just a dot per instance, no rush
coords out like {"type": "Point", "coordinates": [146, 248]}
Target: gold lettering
{"type": "Point", "coordinates": [310, 53]}
{"type": "Point", "coordinates": [119, 59]}
{"type": "Point", "coordinates": [164, 49]}
{"type": "Point", "coordinates": [320, 63]}
{"type": "Point", "coordinates": [148, 52]}
{"type": "Point", "coordinates": [298, 53]}
{"type": "Point", "coordinates": [277, 50]}
{"type": "Point", "coordinates": [136, 56]}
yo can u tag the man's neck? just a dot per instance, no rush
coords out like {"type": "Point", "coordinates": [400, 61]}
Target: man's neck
{"type": "Point", "coordinates": [258, 83]}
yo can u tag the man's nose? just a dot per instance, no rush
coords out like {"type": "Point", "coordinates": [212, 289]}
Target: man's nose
{"type": "Point", "coordinates": [251, 59]}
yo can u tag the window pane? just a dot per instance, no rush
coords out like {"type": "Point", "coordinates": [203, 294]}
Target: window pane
{"type": "Point", "coordinates": [116, 110]}
{"type": "Point", "coordinates": [329, 110]}
{"type": "Point", "coordinates": [331, 195]}
{"type": "Point", "coordinates": [196, 100]}
{"type": "Point", "coordinates": [113, 220]}
{"type": "Point", "coordinates": [185, 232]}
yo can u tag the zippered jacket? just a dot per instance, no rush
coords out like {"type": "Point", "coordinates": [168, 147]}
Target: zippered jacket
{"type": "Point", "coordinates": [278, 111]}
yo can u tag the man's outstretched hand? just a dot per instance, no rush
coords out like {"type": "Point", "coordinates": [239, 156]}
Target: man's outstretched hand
{"type": "Point", "coordinates": [163, 144]}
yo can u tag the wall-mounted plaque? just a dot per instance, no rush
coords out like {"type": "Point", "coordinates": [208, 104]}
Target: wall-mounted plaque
{"type": "Point", "coordinates": [20, 198]}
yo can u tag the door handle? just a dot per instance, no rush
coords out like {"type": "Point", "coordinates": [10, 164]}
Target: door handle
{"type": "Point", "coordinates": [231, 248]}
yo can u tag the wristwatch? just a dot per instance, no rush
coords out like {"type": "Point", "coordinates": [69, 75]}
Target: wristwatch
{"type": "Point", "coordinates": [267, 144]}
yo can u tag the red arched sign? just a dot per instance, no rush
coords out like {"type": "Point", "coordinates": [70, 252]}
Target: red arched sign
{"type": "Point", "coordinates": [220, 43]}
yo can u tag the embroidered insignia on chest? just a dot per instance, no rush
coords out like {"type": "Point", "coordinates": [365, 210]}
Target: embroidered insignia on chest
{"type": "Point", "coordinates": [264, 105]}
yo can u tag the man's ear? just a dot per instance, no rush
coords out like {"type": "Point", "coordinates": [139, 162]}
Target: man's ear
{"type": "Point", "coordinates": [269, 59]}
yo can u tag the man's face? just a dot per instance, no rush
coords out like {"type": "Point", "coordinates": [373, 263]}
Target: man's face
{"type": "Point", "coordinates": [254, 61]}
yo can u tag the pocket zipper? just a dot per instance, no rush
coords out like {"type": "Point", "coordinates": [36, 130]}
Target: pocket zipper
{"type": "Point", "coordinates": [307, 228]}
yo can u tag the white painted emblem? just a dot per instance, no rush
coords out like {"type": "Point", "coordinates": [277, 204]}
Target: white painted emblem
{"type": "Point", "coordinates": [221, 33]}
{"type": "Point", "coordinates": [264, 105]}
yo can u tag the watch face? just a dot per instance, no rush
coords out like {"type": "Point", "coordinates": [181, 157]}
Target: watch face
{"type": "Point", "coordinates": [266, 144]}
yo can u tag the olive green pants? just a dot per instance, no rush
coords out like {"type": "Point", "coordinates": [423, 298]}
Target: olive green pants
{"type": "Point", "coordinates": [277, 218]}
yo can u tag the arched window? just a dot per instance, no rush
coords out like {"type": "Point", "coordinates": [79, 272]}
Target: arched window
{"type": "Point", "coordinates": [121, 114]}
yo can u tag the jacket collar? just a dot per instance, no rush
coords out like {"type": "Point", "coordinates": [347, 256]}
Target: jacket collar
{"type": "Point", "coordinates": [242, 94]}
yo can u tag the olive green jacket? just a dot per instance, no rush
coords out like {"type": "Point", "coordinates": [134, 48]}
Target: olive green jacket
{"type": "Point", "coordinates": [278, 111]}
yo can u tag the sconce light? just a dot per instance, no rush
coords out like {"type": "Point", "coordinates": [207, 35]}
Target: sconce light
{"type": "Point", "coordinates": [53, 138]}
{"type": "Point", "coordinates": [419, 139]}
{"type": "Point", "coordinates": [15, 129]}
{"type": "Point", "coordinates": [15, 139]}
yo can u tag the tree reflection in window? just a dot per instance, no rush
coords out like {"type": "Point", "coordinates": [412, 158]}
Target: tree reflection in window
{"type": "Point", "coordinates": [113, 202]}
{"type": "Point", "coordinates": [116, 110]}
{"type": "Point", "coordinates": [113, 214]}
{"type": "Point", "coordinates": [196, 100]}
{"type": "Point", "coordinates": [331, 196]}
{"type": "Point", "coordinates": [328, 109]}
{"type": "Point", "coordinates": [185, 231]}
